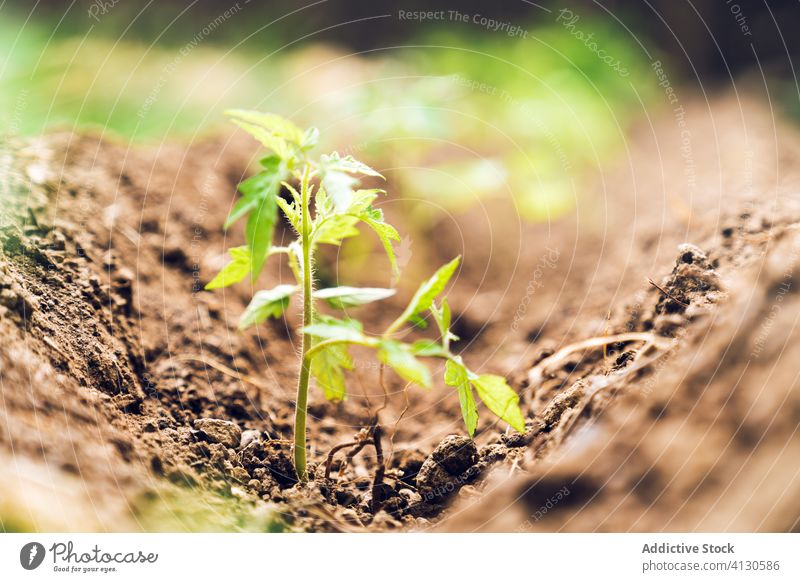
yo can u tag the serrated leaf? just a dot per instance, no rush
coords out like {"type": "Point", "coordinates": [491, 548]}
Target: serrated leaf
{"type": "Point", "coordinates": [275, 124]}
{"type": "Point", "coordinates": [253, 190]}
{"type": "Point", "coordinates": [282, 147]}
{"type": "Point", "coordinates": [298, 199]}
{"type": "Point", "coordinates": [326, 327]}
{"type": "Point", "coordinates": [427, 292]}
{"type": "Point", "coordinates": [291, 212]}
{"type": "Point", "coordinates": [260, 229]}
{"type": "Point", "coordinates": [236, 270]}
{"type": "Point", "coordinates": [347, 164]}
{"type": "Point", "coordinates": [344, 297]}
{"type": "Point", "coordinates": [456, 375]}
{"type": "Point", "coordinates": [401, 359]}
{"type": "Point", "coordinates": [327, 368]}
{"type": "Point", "coordinates": [362, 201]}
{"type": "Point", "coordinates": [323, 207]}
{"type": "Point", "coordinates": [442, 316]}
{"type": "Point", "coordinates": [386, 233]}
{"type": "Point", "coordinates": [266, 303]}
{"type": "Point", "coordinates": [243, 206]}
{"type": "Point", "coordinates": [340, 187]}
{"type": "Point", "coordinates": [310, 138]}
{"type": "Point", "coordinates": [469, 411]}
{"type": "Point", "coordinates": [335, 229]}
{"type": "Point", "coordinates": [498, 397]}
{"type": "Point", "coordinates": [338, 178]}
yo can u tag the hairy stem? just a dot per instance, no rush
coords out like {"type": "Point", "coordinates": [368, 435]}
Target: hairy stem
{"type": "Point", "coordinates": [301, 407]}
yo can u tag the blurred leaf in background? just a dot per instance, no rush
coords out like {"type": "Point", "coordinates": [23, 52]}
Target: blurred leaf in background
{"type": "Point", "coordinates": [463, 115]}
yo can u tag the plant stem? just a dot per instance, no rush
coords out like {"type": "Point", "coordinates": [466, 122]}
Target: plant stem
{"type": "Point", "coordinates": [300, 412]}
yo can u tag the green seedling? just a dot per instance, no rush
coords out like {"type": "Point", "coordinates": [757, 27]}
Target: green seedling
{"type": "Point", "coordinates": [326, 210]}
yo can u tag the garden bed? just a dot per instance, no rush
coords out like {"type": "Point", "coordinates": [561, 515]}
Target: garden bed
{"type": "Point", "coordinates": [130, 400]}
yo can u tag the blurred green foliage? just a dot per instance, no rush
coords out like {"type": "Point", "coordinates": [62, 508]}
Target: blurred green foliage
{"type": "Point", "coordinates": [177, 509]}
{"type": "Point", "coordinates": [463, 115]}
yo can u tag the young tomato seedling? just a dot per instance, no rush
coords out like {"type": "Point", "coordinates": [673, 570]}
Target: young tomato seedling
{"type": "Point", "coordinates": [326, 210]}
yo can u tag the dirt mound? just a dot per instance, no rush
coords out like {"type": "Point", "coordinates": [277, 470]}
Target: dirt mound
{"type": "Point", "coordinates": [689, 423]}
{"type": "Point", "coordinates": [126, 389]}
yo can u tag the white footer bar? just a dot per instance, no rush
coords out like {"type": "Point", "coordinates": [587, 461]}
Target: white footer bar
{"type": "Point", "coordinates": [395, 557]}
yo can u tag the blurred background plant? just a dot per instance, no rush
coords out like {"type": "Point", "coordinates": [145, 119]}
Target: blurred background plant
{"type": "Point", "coordinates": [457, 113]}
{"type": "Point", "coordinates": [521, 117]}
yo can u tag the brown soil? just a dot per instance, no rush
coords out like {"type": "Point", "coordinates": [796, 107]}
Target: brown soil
{"type": "Point", "coordinates": [128, 395]}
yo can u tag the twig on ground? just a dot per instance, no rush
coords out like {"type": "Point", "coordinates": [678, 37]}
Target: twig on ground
{"type": "Point", "coordinates": [332, 453]}
{"type": "Point", "coordinates": [665, 292]}
{"type": "Point", "coordinates": [378, 487]}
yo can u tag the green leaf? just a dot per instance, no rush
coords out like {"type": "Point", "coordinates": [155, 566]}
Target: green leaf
{"type": "Point", "coordinates": [442, 316]}
{"type": "Point", "coordinates": [338, 178]}
{"type": "Point", "coordinates": [427, 292]}
{"type": "Point", "coordinates": [386, 233]}
{"type": "Point", "coordinates": [243, 206]}
{"type": "Point", "coordinates": [262, 181]}
{"type": "Point", "coordinates": [362, 201]}
{"type": "Point", "coordinates": [344, 297]}
{"type": "Point", "coordinates": [266, 303]}
{"type": "Point", "coordinates": [347, 164]}
{"type": "Point", "coordinates": [456, 375]}
{"type": "Point", "coordinates": [253, 189]}
{"type": "Point", "coordinates": [298, 199]}
{"type": "Point", "coordinates": [334, 229]}
{"type": "Point", "coordinates": [234, 271]}
{"type": "Point", "coordinates": [332, 226]}
{"type": "Point", "coordinates": [418, 322]}
{"type": "Point", "coordinates": [327, 327]}
{"type": "Point", "coordinates": [469, 411]}
{"type": "Point", "coordinates": [271, 123]}
{"type": "Point", "coordinates": [428, 348]}
{"type": "Point", "coordinates": [400, 358]}
{"type": "Point", "coordinates": [261, 222]}
{"type": "Point", "coordinates": [310, 139]}
{"type": "Point", "coordinates": [291, 212]}
{"type": "Point", "coordinates": [340, 188]}
{"type": "Point", "coordinates": [281, 147]}
{"type": "Point", "coordinates": [328, 365]}
{"type": "Point", "coordinates": [323, 207]}
{"type": "Point", "coordinates": [259, 231]}
{"type": "Point", "coordinates": [498, 397]}
{"type": "Point", "coordinates": [327, 368]}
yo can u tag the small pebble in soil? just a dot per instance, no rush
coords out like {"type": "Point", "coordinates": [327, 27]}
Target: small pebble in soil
{"type": "Point", "coordinates": [248, 436]}
{"type": "Point", "coordinates": [411, 497]}
{"type": "Point", "coordinates": [220, 431]}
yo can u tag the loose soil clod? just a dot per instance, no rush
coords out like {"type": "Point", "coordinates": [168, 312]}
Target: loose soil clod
{"type": "Point", "coordinates": [451, 465]}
